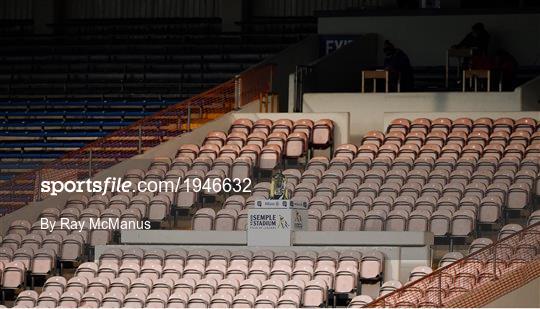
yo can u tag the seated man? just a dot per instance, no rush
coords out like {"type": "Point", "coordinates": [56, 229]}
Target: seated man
{"type": "Point", "coordinates": [399, 67]}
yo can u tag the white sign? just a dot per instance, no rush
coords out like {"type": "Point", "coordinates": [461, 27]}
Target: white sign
{"type": "Point", "coordinates": [272, 222]}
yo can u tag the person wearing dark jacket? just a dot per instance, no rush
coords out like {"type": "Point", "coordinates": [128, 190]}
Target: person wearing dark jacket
{"type": "Point", "coordinates": [477, 39]}
{"type": "Point", "coordinates": [399, 67]}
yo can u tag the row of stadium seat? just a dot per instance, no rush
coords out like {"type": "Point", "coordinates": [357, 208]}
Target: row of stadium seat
{"type": "Point", "coordinates": [134, 277]}
{"type": "Point", "coordinates": [266, 276]}
{"type": "Point", "coordinates": [477, 186]}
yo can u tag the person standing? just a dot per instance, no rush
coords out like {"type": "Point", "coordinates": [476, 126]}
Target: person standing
{"type": "Point", "coordinates": [399, 66]}
{"type": "Point", "coordinates": [477, 39]}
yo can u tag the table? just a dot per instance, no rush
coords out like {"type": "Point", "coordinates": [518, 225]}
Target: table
{"type": "Point", "coordinates": [374, 75]}
{"type": "Point", "coordinates": [460, 54]}
{"type": "Point", "coordinates": [475, 75]}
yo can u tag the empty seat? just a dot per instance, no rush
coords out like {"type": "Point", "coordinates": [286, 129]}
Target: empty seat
{"type": "Point", "coordinates": [371, 266]}
{"type": "Point", "coordinates": [14, 275]}
{"type": "Point", "coordinates": [345, 280]}
{"type": "Point", "coordinates": [463, 223]}
{"type": "Point", "coordinates": [450, 258]}
{"type": "Point", "coordinates": [203, 220]}
{"type": "Point", "coordinates": [331, 220]}
{"type": "Point", "coordinates": [243, 301]}
{"type": "Point", "coordinates": [26, 299]}
{"type": "Point", "coordinates": [353, 220]}
{"type": "Point", "coordinates": [534, 218]}
{"type": "Point", "coordinates": [509, 230]}
{"type": "Point", "coordinates": [270, 157]}
{"type": "Point", "coordinates": [440, 222]}
{"type": "Point", "coordinates": [375, 220]}
{"type": "Point", "coordinates": [315, 294]}
{"type": "Point", "coordinates": [419, 272]}
{"type": "Point", "coordinates": [296, 145]}
{"type": "Point", "coordinates": [389, 287]}
{"type": "Point", "coordinates": [360, 301]}
{"type": "Point", "coordinates": [397, 220]}
{"type": "Point", "coordinates": [323, 131]}
{"type": "Point", "coordinates": [225, 220]}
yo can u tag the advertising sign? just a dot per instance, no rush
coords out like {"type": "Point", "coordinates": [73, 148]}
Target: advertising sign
{"type": "Point", "coordinates": [331, 43]}
{"type": "Point", "coordinates": [272, 222]}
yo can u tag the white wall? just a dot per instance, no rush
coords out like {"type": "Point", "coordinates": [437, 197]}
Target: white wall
{"type": "Point", "coordinates": [426, 38]}
{"type": "Point", "coordinates": [530, 94]}
{"type": "Point", "coordinates": [527, 296]}
{"type": "Point", "coordinates": [388, 117]}
{"type": "Point", "coordinates": [367, 109]}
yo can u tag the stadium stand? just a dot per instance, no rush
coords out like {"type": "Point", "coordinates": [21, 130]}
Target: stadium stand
{"type": "Point", "coordinates": [437, 207]}
{"type": "Point", "coordinates": [142, 134]}
{"type": "Point", "coordinates": [434, 176]}
{"type": "Point", "coordinates": [55, 99]}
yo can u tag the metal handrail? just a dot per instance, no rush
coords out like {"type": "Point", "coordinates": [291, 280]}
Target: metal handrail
{"type": "Point", "coordinates": [302, 71]}
{"type": "Point", "coordinates": [189, 114]}
{"type": "Point", "coordinates": [129, 140]}
{"type": "Point", "coordinates": [491, 250]}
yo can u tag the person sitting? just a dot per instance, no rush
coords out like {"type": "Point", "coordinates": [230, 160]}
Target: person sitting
{"type": "Point", "coordinates": [399, 67]}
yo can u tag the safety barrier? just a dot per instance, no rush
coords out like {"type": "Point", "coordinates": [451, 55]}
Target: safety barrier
{"type": "Point", "coordinates": [138, 137]}
{"type": "Point", "coordinates": [477, 279]}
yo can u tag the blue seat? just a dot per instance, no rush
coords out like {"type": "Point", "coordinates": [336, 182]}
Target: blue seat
{"type": "Point", "coordinates": [60, 123]}
{"type": "Point", "coordinates": [18, 165]}
{"type": "Point", "coordinates": [31, 155]}
{"type": "Point", "coordinates": [88, 103]}
{"type": "Point", "coordinates": [42, 145]}
{"type": "Point", "coordinates": [79, 114]}
{"type": "Point", "coordinates": [52, 134]}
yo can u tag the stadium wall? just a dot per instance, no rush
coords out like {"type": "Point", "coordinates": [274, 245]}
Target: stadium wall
{"type": "Point", "coordinates": [526, 296]}
{"type": "Point", "coordinates": [286, 61]}
{"type": "Point", "coordinates": [367, 109]}
{"type": "Point", "coordinates": [530, 95]}
{"type": "Point", "coordinates": [426, 38]}
{"type": "Point", "coordinates": [388, 117]}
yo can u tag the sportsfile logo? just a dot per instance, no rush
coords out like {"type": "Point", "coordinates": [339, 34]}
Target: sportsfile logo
{"type": "Point", "coordinates": [117, 185]}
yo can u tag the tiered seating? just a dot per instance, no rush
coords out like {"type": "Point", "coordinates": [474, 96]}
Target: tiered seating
{"type": "Point", "coordinates": [200, 278]}
{"type": "Point", "coordinates": [247, 147]}
{"type": "Point", "coordinates": [442, 176]}
{"type": "Point", "coordinates": [136, 58]}
{"type": "Point", "coordinates": [214, 159]}
{"type": "Point", "coordinates": [127, 61]}
{"type": "Point", "coordinates": [36, 132]}
{"type": "Point", "coordinates": [125, 69]}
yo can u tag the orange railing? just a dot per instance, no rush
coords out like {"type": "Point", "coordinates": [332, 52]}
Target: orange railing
{"type": "Point", "coordinates": [138, 137]}
{"type": "Point", "coordinates": [477, 279]}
